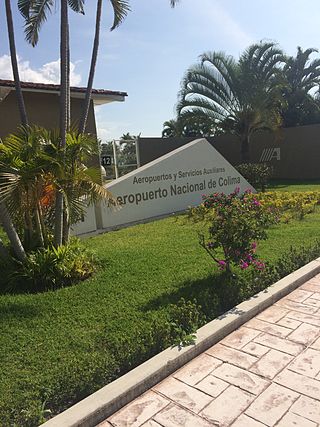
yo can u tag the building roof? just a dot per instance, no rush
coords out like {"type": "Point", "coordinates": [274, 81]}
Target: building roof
{"type": "Point", "coordinates": [99, 96]}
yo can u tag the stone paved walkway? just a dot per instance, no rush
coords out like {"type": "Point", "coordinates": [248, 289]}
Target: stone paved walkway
{"type": "Point", "coordinates": [266, 373]}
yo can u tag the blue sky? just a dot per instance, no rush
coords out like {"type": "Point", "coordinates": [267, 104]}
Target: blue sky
{"type": "Point", "coordinates": [148, 55]}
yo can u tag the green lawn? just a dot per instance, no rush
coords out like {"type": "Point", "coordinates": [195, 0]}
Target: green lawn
{"type": "Point", "coordinates": [58, 347]}
{"type": "Point", "coordinates": [295, 186]}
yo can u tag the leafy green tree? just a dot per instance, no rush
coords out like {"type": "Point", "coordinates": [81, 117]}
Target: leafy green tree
{"type": "Point", "coordinates": [239, 97]}
{"type": "Point", "coordinates": [302, 77]}
{"type": "Point", "coordinates": [189, 126]}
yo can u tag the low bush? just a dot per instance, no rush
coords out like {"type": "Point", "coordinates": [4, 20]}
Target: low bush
{"type": "Point", "coordinates": [290, 205]}
{"type": "Point", "coordinates": [257, 174]}
{"type": "Point", "coordinates": [52, 268]}
{"type": "Point", "coordinates": [236, 224]}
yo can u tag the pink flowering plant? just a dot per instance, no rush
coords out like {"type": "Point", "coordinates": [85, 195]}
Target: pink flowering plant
{"type": "Point", "coordinates": [237, 223]}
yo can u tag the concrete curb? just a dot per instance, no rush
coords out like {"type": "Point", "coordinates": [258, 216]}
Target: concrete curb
{"type": "Point", "coordinates": [97, 407]}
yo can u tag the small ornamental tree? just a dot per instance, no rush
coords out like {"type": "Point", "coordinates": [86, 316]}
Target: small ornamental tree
{"type": "Point", "coordinates": [237, 224]}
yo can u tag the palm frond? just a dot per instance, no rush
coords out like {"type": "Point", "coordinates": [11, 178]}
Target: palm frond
{"type": "Point", "coordinates": [121, 8]}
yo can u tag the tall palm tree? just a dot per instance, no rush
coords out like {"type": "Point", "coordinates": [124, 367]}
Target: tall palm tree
{"type": "Point", "coordinates": [240, 97]}
{"type": "Point", "coordinates": [302, 75]}
{"type": "Point", "coordinates": [4, 214]}
{"type": "Point", "coordinates": [120, 10]}
{"type": "Point", "coordinates": [14, 64]}
{"type": "Point", "coordinates": [35, 13]}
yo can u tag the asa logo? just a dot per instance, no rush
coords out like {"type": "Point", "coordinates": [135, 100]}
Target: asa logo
{"type": "Point", "coordinates": [269, 154]}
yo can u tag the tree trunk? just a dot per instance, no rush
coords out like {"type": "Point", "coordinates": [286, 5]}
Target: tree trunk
{"type": "Point", "coordinates": [14, 63]}
{"type": "Point", "coordinates": [86, 103]}
{"type": "Point", "coordinates": [64, 110]}
{"type": "Point", "coordinates": [245, 149]}
{"type": "Point", "coordinates": [66, 228]}
{"type": "Point", "coordinates": [11, 233]}
{"type": "Point", "coordinates": [3, 250]}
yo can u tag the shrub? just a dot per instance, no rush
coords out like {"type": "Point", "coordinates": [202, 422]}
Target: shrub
{"type": "Point", "coordinates": [290, 205]}
{"type": "Point", "coordinates": [52, 268]}
{"type": "Point", "coordinates": [257, 174]}
{"type": "Point", "coordinates": [237, 223]}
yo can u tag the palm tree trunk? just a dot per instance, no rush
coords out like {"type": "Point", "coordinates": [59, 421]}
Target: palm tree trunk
{"type": "Point", "coordinates": [64, 110]}
{"type": "Point", "coordinates": [11, 233]}
{"type": "Point", "coordinates": [3, 250]}
{"type": "Point", "coordinates": [245, 149]}
{"type": "Point", "coordinates": [86, 104]}
{"type": "Point", "coordinates": [14, 63]}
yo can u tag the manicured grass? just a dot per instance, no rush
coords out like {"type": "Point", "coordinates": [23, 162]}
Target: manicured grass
{"type": "Point", "coordinates": [294, 186]}
{"type": "Point", "coordinates": [57, 347]}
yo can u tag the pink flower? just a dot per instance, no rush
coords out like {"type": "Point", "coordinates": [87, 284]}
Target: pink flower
{"type": "Point", "coordinates": [244, 265]}
{"type": "Point", "coordinates": [222, 264]}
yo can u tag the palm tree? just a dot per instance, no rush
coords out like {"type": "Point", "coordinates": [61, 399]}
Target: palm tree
{"type": "Point", "coordinates": [302, 75]}
{"type": "Point", "coordinates": [239, 97]}
{"type": "Point", "coordinates": [14, 64]}
{"type": "Point", "coordinates": [33, 166]}
{"type": "Point", "coordinates": [35, 13]}
{"type": "Point", "coordinates": [4, 214]}
{"type": "Point", "coordinates": [172, 128]}
{"type": "Point", "coordinates": [120, 10]}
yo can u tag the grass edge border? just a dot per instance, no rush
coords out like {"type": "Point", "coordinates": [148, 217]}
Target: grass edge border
{"type": "Point", "coordinates": [104, 402]}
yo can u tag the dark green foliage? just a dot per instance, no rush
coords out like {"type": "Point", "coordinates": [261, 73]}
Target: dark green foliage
{"type": "Point", "coordinates": [52, 268]}
{"type": "Point", "coordinates": [257, 174]}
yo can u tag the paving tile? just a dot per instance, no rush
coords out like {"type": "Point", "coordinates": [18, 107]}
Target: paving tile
{"type": "Point", "coordinates": [255, 349]}
{"type": "Point", "coordinates": [150, 423]}
{"type": "Point", "coordinates": [307, 363]}
{"type": "Point", "coordinates": [271, 364]}
{"type": "Point", "coordinates": [245, 421]}
{"type": "Point", "coordinates": [175, 416]}
{"type": "Point", "coordinates": [212, 385]}
{"type": "Point", "coordinates": [299, 383]}
{"type": "Point", "coordinates": [183, 394]}
{"type": "Point", "coordinates": [313, 301]}
{"type": "Point", "coordinates": [289, 323]}
{"type": "Point", "coordinates": [227, 407]}
{"type": "Point", "coordinates": [307, 408]}
{"type": "Point", "coordinates": [272, 314]}
{"type": "Point", "coordinates": [139, 411]}
{"type": "Point", "coordinates": [279, 344]}
{"type": "Point", "coordinates": [272, 404]}
{"type": "Point", "coordinates": [305, 334]}
{"type": "Point", "coordinates": [198, 369]}
{"type": "Point", "coordinates": [231, 355]}
{"type": "Point", "coordinates": [316, 296]}
{"type": "Point", "coordinates": [297, 306]}
{"type": "Point", "coordinates": [270, 328]}
{"type": "Point", "coordinates": [306, 318]}
{"type": "Point", "coordinates": [316, 344]}
{"type": "Point", "coordinates": [299, 295]}
{"type": "Point", "coordinates": [240, 337]}
{"type": "Point", "coordinates": [293, 420]}
{"type": "Point", "coordinates": [311, 286]}
{"type": "Point", "coordinates": [240, 378]}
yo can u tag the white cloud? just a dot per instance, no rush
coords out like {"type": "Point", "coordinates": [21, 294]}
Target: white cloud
{"type": "Point", "coordinates": [48, 73]}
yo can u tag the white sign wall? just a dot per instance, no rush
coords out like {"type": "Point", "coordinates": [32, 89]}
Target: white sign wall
{"type": "Point", "coordinates": [171, 184]}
